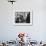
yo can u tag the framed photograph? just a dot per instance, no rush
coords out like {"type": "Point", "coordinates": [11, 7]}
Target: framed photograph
{"type": "Point", "coordinates": [23, 18]}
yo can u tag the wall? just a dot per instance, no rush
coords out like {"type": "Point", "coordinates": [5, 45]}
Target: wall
{"type": "Point", "coordinates": [9, 31]}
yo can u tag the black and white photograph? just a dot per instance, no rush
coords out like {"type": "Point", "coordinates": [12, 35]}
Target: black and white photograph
{"type": "Point", "coordinates": [23, 18]}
